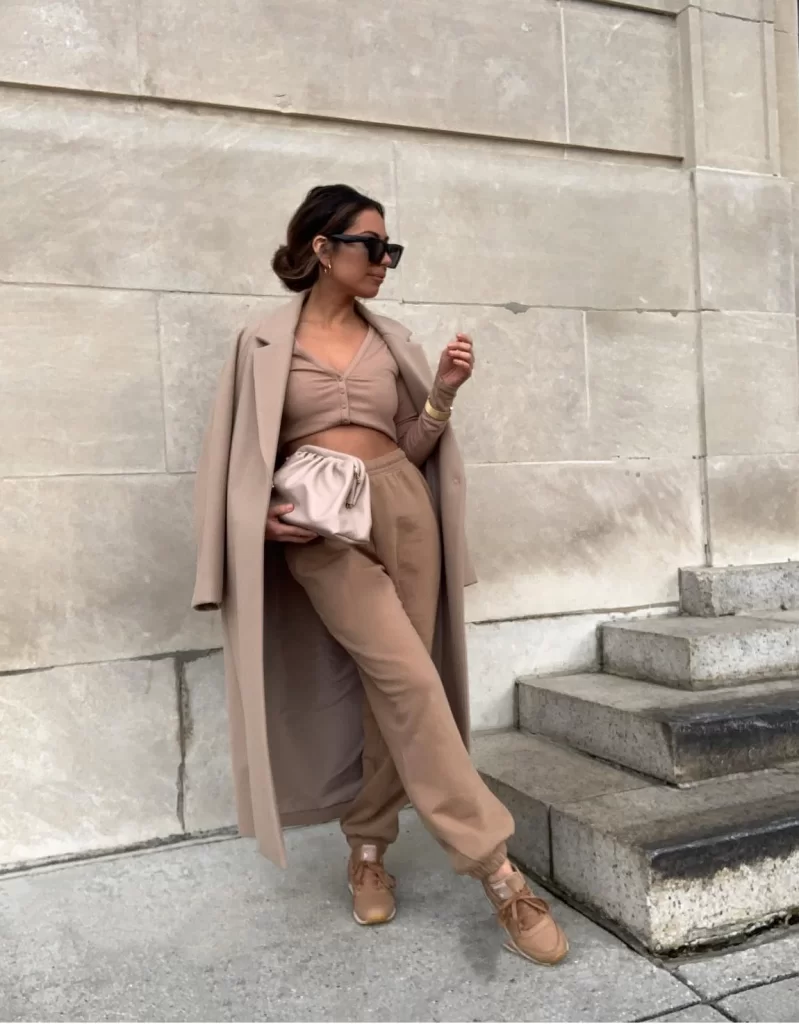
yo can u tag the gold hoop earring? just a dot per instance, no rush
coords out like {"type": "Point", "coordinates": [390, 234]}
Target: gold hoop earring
{"type": "Point", "coordinates": [325, 268]}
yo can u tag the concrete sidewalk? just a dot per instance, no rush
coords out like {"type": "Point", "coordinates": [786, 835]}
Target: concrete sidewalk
{"type": "Point", "coordinates": [212, 932]}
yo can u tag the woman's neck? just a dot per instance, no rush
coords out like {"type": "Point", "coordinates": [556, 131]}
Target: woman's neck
{"type": "Point", "coordinates": [328, 307]}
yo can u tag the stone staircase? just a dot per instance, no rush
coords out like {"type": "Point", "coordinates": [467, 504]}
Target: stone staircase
{"type": "Point", "coordinates": [663, 792]}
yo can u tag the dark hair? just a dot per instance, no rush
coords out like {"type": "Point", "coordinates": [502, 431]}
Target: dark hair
{"type": "Point", "coordinates": [326, 210]}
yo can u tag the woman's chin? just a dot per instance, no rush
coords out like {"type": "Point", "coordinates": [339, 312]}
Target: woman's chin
{"type": "Point", "coordinates": [371, 288]}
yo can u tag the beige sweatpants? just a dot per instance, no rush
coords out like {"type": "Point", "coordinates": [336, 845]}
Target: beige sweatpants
{"type": "Point", "coordinates": [380, 604]}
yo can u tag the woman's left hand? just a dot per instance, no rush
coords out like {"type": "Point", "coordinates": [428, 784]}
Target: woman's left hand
{"type": "Point", "coordinates": [457, 361]}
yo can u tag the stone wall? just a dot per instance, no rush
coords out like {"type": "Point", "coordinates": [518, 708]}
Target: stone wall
{"type": "Point", "coordinates": [600, 192]}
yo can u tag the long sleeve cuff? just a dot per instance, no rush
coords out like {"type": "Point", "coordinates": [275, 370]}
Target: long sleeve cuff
{"type": "Point", "coordinates": [442, 395]}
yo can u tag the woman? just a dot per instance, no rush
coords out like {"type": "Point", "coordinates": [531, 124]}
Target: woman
{"type": "Point", "coordinates": [345, 662]}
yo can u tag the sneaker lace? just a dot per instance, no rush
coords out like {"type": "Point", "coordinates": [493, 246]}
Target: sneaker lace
{"type": "Point", "coordinates": [367, 872]}
{"type": "Point", "coordinates": [522, 909]}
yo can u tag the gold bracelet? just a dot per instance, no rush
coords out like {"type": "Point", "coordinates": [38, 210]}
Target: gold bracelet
{"type": "Point", "coordinates": [436, 414]}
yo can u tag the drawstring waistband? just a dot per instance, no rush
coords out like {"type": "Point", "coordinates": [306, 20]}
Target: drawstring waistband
{"type": "Point", "coordinates": [386, 462]}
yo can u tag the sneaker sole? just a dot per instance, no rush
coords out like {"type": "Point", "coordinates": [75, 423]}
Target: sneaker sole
{"type": "Point", "coordinates": [371, 924]}
{"type": "Point", "coordinates": [511, 946]}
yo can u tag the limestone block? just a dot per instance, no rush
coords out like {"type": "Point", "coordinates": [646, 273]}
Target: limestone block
{"type": "Point", "coordinates": [666, 734]}
{"type": "Point", "coordinates": [596, 385]}
{"type": "Point", "coordinates": [664, 6]}
{"type": "Point", "coordinates": [483, 225]}
{"type": "Point", "coordinates": [502, 652]}
{"type": "Point", "coordinates": [103, 193]}
{"type": "Point", "coordinates": [641, 378]}
{"type": "Point", "coordinates": [623, 76]}
{"type": "Point", "coordinates": [488, 68]}
{"type": "Point", "coordinates": [100, 567]}
{"type": "Point", "coordinates": [745, 244]}
{"type": "Point", "coordinates": [649, 858]}
{"type": "Point", "coordinates": [786, 55]}
{"type": "Point", "coordinates": [748, 10]}
{"type": "Point", "coordinates": [736, 589]}
{"type": "Point", "coordinates": [786, 16]}
{"type": "Point", "coordinates": [754, 509]}
{"type": "Point", "coordinates": [739, 100]}
{"type": "Point", "coordinates": [197, 335]}
{"type": "Point", "coordinates": [531, 776]}
{"type": "Point", "coordinates": [751, 378]}
{"type": "Point", "coordinates": [80, 390]}
{"type": "Point", "coordinates": [79, 44]}
{"type": "Point", "coordinates": [208, 783]}
{"type": "Point", "coordinates": [702, 653]}
{"type": "Point", "coordinates": [689, 27]}
{"type": "Point", "coordinates": [527, 399]}
{"type": "Point", "coordinates": [795, 227]}
{"type": "Point", "coordinates": [553, 538]}
{"type": "Point", "coordinates": [90, 758]}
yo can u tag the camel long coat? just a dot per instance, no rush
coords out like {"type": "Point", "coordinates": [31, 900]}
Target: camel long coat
{"type": "Point", "coordinates": [294, 696]}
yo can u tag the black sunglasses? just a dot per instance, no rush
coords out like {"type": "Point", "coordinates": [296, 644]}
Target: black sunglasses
{"type": "Point", "coordinates": [376, 248]}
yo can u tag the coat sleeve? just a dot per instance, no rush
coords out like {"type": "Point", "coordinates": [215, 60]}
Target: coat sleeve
{"type": "Point", "coordinates": [210, 493]}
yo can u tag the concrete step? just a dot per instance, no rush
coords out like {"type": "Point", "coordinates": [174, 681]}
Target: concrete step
{"type": "Point", "coordinates": [675, 868]}
{"type": "Point", "coordinates": [737, 589]}
{"type": "Point", "coordinates": [678, 736]}
{"type": "Point", "coordinates": [785, 616]}
{"type": "Point", "coordinates": [700, 653]}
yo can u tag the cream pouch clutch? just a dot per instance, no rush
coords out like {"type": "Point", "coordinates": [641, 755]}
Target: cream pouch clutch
{"type": "Point", "coordinates": [329, 491]}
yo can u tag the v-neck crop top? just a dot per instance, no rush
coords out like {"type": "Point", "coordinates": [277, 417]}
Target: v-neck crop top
{"type": "Point", "coordinates": [369, 393]}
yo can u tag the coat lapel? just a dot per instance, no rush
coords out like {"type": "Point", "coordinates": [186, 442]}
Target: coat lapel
{"type": "Point", "coordinates": [271, 365]}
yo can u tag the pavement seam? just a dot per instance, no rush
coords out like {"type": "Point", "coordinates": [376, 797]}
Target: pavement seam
{"type": "Point", "coordinates": [751, 988]}
{"type": "Point", "coordinates": [666, 1013]}
{"type": "Point", "coordinates": [722, 1011]}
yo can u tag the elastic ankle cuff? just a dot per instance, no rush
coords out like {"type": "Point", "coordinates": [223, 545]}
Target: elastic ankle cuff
{"type": "Point", "coordinates": [490, 865]}
{"type": "Point", "coordinates": [381, 844]}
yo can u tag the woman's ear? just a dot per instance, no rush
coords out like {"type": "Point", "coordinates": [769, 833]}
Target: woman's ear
{"type": "Point", "coordinates": [321, 247]}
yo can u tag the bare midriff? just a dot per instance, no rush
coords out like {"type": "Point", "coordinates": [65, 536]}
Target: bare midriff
{"type": "Point", "coordinates": [362, 442]}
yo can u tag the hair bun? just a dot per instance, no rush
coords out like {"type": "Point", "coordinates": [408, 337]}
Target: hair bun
{"type": "Point", "coordinates": [294, 276]}
{"type": "Point", "coordinates": [282, 263]}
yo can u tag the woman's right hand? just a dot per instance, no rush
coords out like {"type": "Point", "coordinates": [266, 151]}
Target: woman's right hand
{"type": "Point", "coordinates": [283, 533]}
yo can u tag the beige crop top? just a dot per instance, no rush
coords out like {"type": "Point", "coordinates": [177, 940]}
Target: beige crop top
{"type": "Point", "coordinates": [369, 393]}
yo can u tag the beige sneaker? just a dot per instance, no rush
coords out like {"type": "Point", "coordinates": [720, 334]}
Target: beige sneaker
{"type": "Point", "coordinates": [371, 887]}
{"type": "Point", "coordinates": [532, 931]}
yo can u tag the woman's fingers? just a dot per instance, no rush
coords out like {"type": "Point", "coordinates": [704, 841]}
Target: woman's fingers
{"type": "Point", "coordinates": [295, 536]}
{"type": "Point", "coordinates": [286, 531]}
